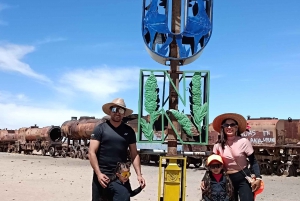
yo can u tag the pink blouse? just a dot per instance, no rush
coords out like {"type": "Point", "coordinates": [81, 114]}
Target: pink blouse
{"type": "Point", "coordinates": [240, 148]}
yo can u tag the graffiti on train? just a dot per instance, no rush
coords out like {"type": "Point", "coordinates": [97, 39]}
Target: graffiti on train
{"type": "Point", "coordinates": [259, 137]}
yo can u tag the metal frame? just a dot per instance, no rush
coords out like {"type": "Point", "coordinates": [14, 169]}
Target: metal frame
{"type": "Point", "coordinates": [205, 75]}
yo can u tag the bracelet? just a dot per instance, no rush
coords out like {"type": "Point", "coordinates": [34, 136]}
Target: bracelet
{"type": "Point", "coordinates": [259, 178]}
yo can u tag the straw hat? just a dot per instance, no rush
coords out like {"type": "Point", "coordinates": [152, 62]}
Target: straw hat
{"type": "Point", "coordinates": [242, 123]}
{"type": "Point", "coordinates": [116, 102]}
{"type": "Point", "coordinates": [214, 157]}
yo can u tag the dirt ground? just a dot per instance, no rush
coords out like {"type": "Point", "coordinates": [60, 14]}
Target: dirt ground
{"type": "Point", "coordinates": [34, 177]}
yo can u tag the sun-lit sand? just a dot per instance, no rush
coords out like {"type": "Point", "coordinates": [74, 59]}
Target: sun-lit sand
{"type": "Point", "coordinates": [34, 177]}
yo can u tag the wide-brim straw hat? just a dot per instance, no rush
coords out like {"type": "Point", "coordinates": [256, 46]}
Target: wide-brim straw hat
{"type": "Point", "coordinates": [116, 102]}
{"type": "Point", "coordinates": [242, 122]}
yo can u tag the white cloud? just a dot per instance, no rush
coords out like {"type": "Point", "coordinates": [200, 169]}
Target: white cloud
{"type": "Point", "coordinates": [15, 116]}
{"type": "Point", "coordinates": [50, 40]}
{"type": "Point", "coordinates": [100, 82]}
{"type": "Point", "coordinates": [10, 60]}
{"type": "Point", "coordinates": [7, 97]}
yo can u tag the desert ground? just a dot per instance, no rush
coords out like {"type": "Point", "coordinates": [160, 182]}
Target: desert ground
{"type": "Point", "coordinates": [35, 177]}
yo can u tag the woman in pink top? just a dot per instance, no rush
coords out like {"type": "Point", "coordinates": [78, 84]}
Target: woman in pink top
{"type": "Point", "coordinates": [235, 150]}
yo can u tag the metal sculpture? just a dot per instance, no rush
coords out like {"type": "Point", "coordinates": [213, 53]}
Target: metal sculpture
{"type": "Point", "coordinates": [191, 28]}
{"type": "Point", "coordinates": [191, 41]}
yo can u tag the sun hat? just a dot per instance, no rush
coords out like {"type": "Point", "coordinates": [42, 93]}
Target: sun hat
{"type": "Point", "coordinates": [242, 122]}
{"type": "Point", "coordinates": [116, 102]}
{"type": "Point", "coordinates": [214, 157]}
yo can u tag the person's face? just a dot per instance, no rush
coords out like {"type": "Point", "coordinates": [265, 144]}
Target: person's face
{"type": "Point", "coordinates": [230, 127]}
{"type": "Point", "coordinates": [117, 113]}
{"type": "Point", "coordinates": [215, 167]}
{"type": "Point", "coordinates": [124, 175]}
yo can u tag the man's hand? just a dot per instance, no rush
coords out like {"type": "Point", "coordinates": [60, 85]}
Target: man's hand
{"type": "Point", "coordinates": [103, 180]}
{"type": "Point", "coordinates": [255, 185]}
{"type": "Point", "coordinates": [141, 181]}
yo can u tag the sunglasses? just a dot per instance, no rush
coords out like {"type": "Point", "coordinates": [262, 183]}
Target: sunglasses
{"type": "Point", "coordinates": [125, 174]}
{"type": "Point", "coordinates": [214, 166]}
{"type": "Point", "coordinates": [118, 109]}
{"type": "Point", "coordinates": [227, 125]}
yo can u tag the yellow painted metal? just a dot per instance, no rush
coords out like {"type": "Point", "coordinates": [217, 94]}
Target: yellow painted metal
{"type": "Point", "coordinates": [174, 180]}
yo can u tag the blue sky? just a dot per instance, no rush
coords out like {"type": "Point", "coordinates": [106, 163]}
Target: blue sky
{"type": "Point", "coordinates": [66, 58]}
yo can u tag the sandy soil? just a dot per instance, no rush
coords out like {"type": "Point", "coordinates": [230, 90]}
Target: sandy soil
{"type": "Point", "coordinates": [34, 177]}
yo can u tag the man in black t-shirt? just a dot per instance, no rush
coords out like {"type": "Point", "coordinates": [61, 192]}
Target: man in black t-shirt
{"type": "Point", "coordinates": [108, 146]}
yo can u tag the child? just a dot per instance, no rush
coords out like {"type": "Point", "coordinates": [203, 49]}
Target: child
{"type": "Point", "coordinates": [120, 188]}
{"type": "Point", "coordinates": [217, 182]}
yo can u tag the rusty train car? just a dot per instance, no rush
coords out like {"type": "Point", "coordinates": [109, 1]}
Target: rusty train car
{"type": "Point", "coordinates": [7, 140]}
{"type": "Point", "coordinates": [29, 139]}
{"type": "Point", "coordinates": [78, 133]}
{"type": "Point", "coordinates": [276, 143]}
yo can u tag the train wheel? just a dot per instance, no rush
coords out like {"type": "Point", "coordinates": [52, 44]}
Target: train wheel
{"type": "Point", "coordinates": [198, 163]}
{"type": "Point", "coordinates": [44, 152]}
{"type": "Point", "coordinates": [266, 168]}
{"type": "Point", "coordinates": [63, 153]}
{"type": "Point", "coordinates": [86, 154]}
{"type": "Point", "coordinates": [79, 153]}
{"type": "Point", "coordinates": [145, 158]}
{"type": "Point", "coordinates": [282, 170]}
{"type": "Point", "coordinates": [74, 154]}
{"type": "Point", "coordinates": [292, 171]}
{"type": "Point", "coordinates": [52, 151]}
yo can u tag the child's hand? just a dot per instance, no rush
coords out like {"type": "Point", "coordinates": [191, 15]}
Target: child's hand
{"type": "Point", "coordinates": [202, 186]}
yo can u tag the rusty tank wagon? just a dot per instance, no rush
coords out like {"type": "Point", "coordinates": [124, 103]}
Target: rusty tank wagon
{"type": "Point", "coordinates": [78, 133]}
{"type": "Point", "coordinates": [7, 140]}
{"type": "Point", "coordinates": [29, 139]}
{"type": "Point", "coordinates": [46, 139]}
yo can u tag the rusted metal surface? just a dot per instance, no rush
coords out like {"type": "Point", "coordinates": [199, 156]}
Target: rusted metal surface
{"type": "Point", "coordinates": [51, 132]}
{"type": "Point", "coordinates": [273, 132]}
{"type": "Point", "coordinates": [8, 135]}
{"type": "Point", "coordinates": [268, 132]}
{"type": "Point", "coordinates": [34, 133]}
{"type": "Point", "coordinates": [80, 129]}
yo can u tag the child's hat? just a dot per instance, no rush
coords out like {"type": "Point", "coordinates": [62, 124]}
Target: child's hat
{"type": "Point", "coordinates": [214, 157]}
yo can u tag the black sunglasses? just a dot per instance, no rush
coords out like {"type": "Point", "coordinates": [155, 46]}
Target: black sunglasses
{"type": "Point", "coordinates": [214, 166]}
{"type": "Point", "coordinates": [227, 125]}
{"type": "Point", "coordinates": [118, 109]}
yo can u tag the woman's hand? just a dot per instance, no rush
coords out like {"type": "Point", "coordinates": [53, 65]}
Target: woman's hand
{"type": "Point", "coordinates": [255, 185]}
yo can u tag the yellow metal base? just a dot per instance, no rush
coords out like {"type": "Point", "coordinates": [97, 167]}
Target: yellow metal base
{"type": "Point", "coordinates": [174, 180]}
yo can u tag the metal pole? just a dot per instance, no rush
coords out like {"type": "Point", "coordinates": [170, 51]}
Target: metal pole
{"type": "Point", "coordinates": [174, 67]}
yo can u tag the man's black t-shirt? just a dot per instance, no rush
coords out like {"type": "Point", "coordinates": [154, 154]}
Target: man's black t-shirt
{"type": "Point", "coordinates": [114, 143]}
